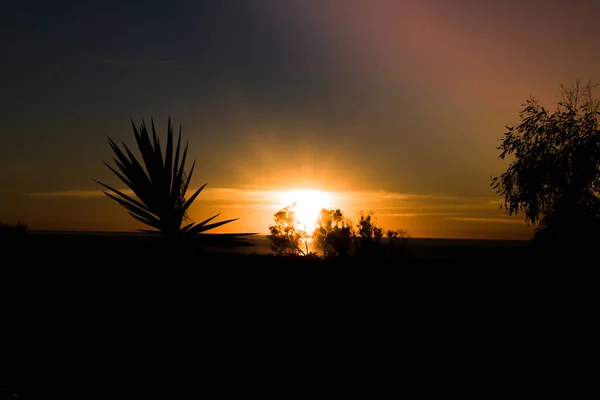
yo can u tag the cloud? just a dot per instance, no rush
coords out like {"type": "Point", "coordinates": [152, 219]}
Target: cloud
{"type": "Point", "coordinates": [492, 220]}
{"type": "Point", "coordinates": [212, 194]}
{"type": "Point", "coordinates": [80, 194]}
{"type": "Point", "coordinates": [137, 62]}
{"type": "Point", "coordinates": [409, 215]}
{"type": "Point", "coordinates": [260, 206]}
{"type": "Point", "coordinates": [385, 202]}
{"type": "Point", "coordinates": [382, 203]}
{"type": "Point", "coordinates": [227, 197]}
{"type": "Point", "coordinates": [385, 195]}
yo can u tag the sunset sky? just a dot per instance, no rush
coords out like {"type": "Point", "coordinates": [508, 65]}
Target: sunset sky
{"type": "Point", "coordinates": [391, 106]}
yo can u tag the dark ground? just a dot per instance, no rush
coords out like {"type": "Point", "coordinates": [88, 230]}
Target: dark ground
{"type": "Point", "coordinates": [91, 247]}
{"type": "Point", "coordinates": [109, 316]}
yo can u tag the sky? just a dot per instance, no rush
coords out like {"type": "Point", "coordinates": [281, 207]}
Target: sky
{"type": "Point", "coordinates": [394, 107]}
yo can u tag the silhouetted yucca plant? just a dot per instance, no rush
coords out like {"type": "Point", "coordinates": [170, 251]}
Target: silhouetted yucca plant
{"type": "Point", "coordinates": [160, 187]}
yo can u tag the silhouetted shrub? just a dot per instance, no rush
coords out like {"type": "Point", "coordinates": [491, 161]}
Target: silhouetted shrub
{"type": "Point", "coordinates": [13, 238]}
{"type": "Point", "coordinates": [17, 231]}
{"type": "Point", "coordinates": [397, 242]}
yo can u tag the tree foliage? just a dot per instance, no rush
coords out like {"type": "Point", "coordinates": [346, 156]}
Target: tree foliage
{"type": "Point", "coordinates": [368, 235]}
{"type": "Point", "coordinates": [554, 176]}
{"type": "Point", "coordinates": [335, 236]}
{"type": "Point", "coordinates": [285, 237]}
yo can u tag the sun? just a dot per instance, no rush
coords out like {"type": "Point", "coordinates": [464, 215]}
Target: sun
{"type": "Point", "coordinates": [308, 205]}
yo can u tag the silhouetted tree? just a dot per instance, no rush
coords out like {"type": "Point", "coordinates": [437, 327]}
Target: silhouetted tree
{"type": "Point", "coordinates": [554, 177]}
{"type": "Point", "coordinates": [336, 236]}
{"type": "Point", "coordinates": [368, 235]}
{"type": "Point", "coordinates": [285, 237]}
{"type": "Point", "coordinates": [333, 234]}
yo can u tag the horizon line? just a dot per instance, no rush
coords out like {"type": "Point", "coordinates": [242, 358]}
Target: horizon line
{"type": "Point", "coordinates": [65, 231]}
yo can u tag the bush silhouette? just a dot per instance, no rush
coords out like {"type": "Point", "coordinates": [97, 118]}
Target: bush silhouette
{"type": "Point", "coordinates": [18, 231]}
